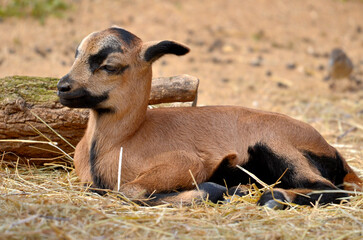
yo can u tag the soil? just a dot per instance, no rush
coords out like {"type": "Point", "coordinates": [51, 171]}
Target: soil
{"type": "Point", "coordinates": [270, 55]}
{"type": "Point", "coordinates": [226, 39]}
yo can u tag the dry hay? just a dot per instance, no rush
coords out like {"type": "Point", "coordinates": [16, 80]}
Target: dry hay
{"type": "Point", "coordinates": [49, 202]}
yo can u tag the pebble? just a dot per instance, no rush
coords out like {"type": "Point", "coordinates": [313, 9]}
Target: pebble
{"type": "Point", "coordinates": [359, 29]}
{"type": "Point", "coordinates": [217, 60]}
{"type": "Point", "coordinates": [250, 49]}
{"type": "Point", "coordinates": [257, 61]}
{"type": "Point", "coordinates": [282, 85]}
{"type": "Point", "coordinates": [216, 45]}
{"type": "Point", "coordinates": [311, 51]}
{"type": "Point", "coordinates": [321, 67]}
{"type": "Point", "coordinates": [225, 80]}
{"type": "Point", "coordinates": [291, 66]}
{"type": "Point", "coordinates": [227, 49]}
{"type": "Point", "coordinates": [43, 52]}
{"type": "Point", "coordinates": [11, 51]}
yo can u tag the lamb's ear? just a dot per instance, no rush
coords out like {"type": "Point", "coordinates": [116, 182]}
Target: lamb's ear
{"type": "Point", "coordinates": [152, 51]}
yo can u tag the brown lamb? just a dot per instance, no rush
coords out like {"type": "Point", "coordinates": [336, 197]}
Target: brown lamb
{"type": "Point", "coordinates": [167, 150]}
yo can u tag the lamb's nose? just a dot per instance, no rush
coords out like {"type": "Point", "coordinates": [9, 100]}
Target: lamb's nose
{"type": "Point", "coordinates": [64, 84]}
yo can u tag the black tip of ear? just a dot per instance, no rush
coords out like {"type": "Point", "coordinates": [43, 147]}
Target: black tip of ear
{"type": "Point", "coordinates": [165, 47]}
{"type": "Point", "coordinates": [180, 50]}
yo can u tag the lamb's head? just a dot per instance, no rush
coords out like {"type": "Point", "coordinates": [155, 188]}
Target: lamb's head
{"type": "Point", "coordinates": [112, 67]}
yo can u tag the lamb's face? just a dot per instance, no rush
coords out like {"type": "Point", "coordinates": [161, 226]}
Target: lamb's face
{"type": "Point", "coordinates": [103, 61]}
{"type": "Point", "coordinates": [112, 67]}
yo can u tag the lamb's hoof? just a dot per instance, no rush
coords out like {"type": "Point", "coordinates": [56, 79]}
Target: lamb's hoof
{"type": "Point", "coordinates": [214, 192]}
{"type": "Point", "coordinates": [274, 205]}
{"type": "Point", "coordinates": [267, 200]}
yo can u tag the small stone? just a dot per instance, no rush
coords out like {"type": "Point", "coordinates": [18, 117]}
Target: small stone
{"type": "Point", "coordinates": [227, 49]}
{"type": "Point", "coordinates": [268, 73]}
{"type": "Point", "coordinates": [216, 45]}
{"type": "Point", "coordinates": [250, 49]}
{"type": "Point", "coordinates": [311, 51]}
{"type": "Point", "coordinates": [190, 32]}
{"type": "Point", "coordinates": [326, 55]}
{"type": "Point", "coordinates": [257, 61]}
{"type": "Point", "coordinates": [191, 59]}
{"type": "Point", "coordinates": [228, 61]}
{"type": "Point", "coordinates": [321, 67]}
{"type": "Point", "coordinates": [43, 52]}
{"type": "Point", "coordinates": [216, 60]}
{"type": "Point", "coordinates": [282, 85]}
{"type": "Point", "coordinates": [12, 51]}
{"type": "Point", "coordinates": [225, 80]}
{"type": "Point", "coordinates": [70, 19]}
{"type": "Point", "coordinates": [291, 66]}
{"type": "Point", "coordinates": [306, 40]}
{"type": "Point", "coordinates": [359, 29]}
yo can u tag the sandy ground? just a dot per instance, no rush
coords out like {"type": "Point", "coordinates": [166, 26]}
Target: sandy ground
{"type": "Point", "coordinates": [225, 37]}
{"type": "Point", "coordinates": [227, 40]}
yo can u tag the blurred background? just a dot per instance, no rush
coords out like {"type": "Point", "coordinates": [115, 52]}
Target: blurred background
{"type": "Point", "coordinates": [271, 55]}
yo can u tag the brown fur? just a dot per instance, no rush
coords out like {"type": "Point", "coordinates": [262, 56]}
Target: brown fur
{"type": "Point", "coordinates": [163, 147]}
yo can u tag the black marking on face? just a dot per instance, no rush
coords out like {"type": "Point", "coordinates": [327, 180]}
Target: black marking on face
{"type": "Point", "coordinates": [97, 59]}
{"type": "Point", "coordinates": [98, 182]}
{"type": "Point", "coordinates": [330, 168]}
{"type": "Point", "coordinates": [81, 98]}
{"type": "Point", "coordinates": [103, 111]}
{"type": "Point", "coordinates": [262, 162]}
{"type": "Point", "coordinates": [125, 36]}
{"type": "Point", "coordinates": [165, 47]}
{"type": "Point", "coordinates": [114, 70]}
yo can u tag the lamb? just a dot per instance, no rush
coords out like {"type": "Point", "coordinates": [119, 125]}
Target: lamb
{"type": "Point", "coordinates": [167, 150]}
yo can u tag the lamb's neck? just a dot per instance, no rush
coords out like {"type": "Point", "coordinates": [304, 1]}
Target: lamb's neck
{"type": "Point", "coordinates": [115, 126]}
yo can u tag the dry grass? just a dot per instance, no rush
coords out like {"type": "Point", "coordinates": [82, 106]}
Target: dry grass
{"type": "Point", "coordinates": [49, 202]}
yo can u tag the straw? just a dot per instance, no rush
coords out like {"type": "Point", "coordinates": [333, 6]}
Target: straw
{"type": "Point", "coordinates": [119, 170]}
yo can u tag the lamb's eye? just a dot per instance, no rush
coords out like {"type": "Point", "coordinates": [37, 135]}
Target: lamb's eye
{"type": "Point", "coordinates": [109, 68]}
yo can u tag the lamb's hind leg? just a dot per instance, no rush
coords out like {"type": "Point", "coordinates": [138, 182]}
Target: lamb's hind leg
{"type": "Point", "coordinates": [302, 183]}
{"type": "Point", "coordinates": [318, 192]}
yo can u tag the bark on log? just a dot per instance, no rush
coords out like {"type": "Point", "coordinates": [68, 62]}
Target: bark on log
{"type": "Point", "coordinates": [24, 99]}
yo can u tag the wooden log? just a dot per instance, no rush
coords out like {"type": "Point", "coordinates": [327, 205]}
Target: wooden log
{"type": "Point", "coordinates": [182, 88]}
{"type": "Point", "coordinates": [27, 101]}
